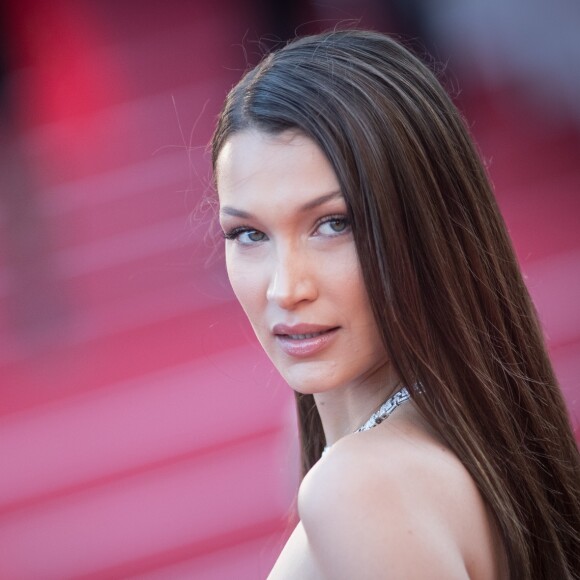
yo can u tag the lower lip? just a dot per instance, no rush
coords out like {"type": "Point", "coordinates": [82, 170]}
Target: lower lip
{"type": "Point", "coordinates": [305, 347]}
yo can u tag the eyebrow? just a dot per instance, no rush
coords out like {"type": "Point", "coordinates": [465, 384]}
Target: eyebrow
{"type": "Point", "coordinates": [309, 205]}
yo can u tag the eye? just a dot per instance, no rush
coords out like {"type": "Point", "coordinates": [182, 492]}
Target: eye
{"type": "Point", "coordinates": [245, 236]}
{"type": "Point", "coordinates": [333, 225]}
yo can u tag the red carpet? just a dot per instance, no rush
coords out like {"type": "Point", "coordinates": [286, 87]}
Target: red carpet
{"type": "Point", "coordinates": [142, 431]}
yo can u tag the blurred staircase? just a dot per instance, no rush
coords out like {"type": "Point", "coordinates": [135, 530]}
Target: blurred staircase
{"type": "Point", "coordinates": [142, 431]}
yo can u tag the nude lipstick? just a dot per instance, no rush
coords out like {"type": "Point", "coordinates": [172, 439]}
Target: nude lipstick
{"type": "Point", "coordinates": [303, 340]}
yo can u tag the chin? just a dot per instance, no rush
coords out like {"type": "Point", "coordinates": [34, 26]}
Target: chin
{"type": "Point", "coordinates": [303, 389]}
{"type": "Point", "coordinates": [309, 378]}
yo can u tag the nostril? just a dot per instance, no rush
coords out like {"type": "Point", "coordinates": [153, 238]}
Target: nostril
{"type": "Point", "coordinates": [291, 281]}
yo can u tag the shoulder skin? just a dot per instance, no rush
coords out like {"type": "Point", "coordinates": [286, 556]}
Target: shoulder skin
{"type": "Point", "coordinates": [394, 503]}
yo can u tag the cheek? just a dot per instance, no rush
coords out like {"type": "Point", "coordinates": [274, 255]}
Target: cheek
{"type": "Point", "coordinates": [246, 284]}
{"type": "Point", "coordinates": [344, 278]}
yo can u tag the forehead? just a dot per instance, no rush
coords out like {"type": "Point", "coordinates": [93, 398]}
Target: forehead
{"type": "Point", "coordinates": [257, 167]}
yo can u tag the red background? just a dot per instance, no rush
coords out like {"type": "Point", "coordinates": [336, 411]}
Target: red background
{"type": "Point", "coordinates": [142, 431]}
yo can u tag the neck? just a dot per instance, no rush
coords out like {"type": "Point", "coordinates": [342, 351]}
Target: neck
{"type": "Point", "coordinates": [343, 410]}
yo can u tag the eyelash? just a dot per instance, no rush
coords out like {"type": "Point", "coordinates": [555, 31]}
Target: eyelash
{"type": "Point", "coordinates": [235, 233]}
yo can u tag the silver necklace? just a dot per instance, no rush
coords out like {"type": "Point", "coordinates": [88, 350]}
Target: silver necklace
{"type": "Point", "coordinates": [384, 411]}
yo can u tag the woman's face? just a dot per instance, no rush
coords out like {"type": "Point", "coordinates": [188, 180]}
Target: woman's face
{"type": "Point", "coordinates": [292, 262]}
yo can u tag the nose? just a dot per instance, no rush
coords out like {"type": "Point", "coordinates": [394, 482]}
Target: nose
{"type": "Point", "coordinates": [292, 281]}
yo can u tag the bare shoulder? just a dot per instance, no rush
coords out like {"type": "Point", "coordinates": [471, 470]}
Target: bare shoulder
{"type": "Point", "coordinates": [395, 503]}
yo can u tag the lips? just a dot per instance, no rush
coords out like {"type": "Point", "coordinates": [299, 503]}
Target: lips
{"type": "Point", "coordinates": [304, 340]}
{"type": "Point", "coordinates": [303, 336]}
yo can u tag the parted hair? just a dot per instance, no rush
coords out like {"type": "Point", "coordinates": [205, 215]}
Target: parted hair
{"type": "Point", "coordinates": [440, 272]}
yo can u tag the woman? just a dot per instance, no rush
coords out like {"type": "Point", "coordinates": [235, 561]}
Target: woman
{"type": "Point", "coordinates": [364, 243]}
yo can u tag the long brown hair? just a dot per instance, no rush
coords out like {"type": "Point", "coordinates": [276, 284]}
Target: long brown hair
{"type": "Point", "coordinates": [441, 275]}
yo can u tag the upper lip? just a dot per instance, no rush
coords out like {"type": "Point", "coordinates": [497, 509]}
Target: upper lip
{"type": "Point", "coordinates": [285, 329]}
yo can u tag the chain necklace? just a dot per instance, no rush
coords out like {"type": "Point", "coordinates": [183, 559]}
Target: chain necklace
{"type": "Point", "coordinates": [396, 399]}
